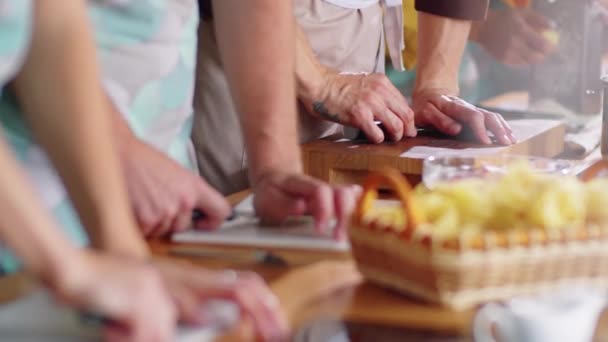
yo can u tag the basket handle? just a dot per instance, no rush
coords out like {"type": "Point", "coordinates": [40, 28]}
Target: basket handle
{"type": "Point", "coordinates": [397, 182]}
{"type": "Point", "coordinates": [595, 170]}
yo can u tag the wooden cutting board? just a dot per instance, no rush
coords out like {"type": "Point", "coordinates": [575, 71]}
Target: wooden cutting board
{"type": "Point", "coordinates": [340, 161]}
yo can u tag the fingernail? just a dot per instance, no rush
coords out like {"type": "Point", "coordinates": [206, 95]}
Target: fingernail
{"type": "Point", "coordinates": [412, 131]}
{"type": "Point", "coordinates": [506, 139]}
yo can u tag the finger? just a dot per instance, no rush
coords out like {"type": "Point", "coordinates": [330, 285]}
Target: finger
{"type": "Point", "coordinates": [213, 205]}
{"type": "Point", "coordinates": [495, 126]}
{"type": "Point", "coordinates": [255, 301]}
{"type": "Point", "coordinates": [114, 334]}
{"type": "Point", "coordinates": [376, 102]}
{"type": "Point", "coordinates": [392, 123]}
{"type": "Point", "coordinates": [188, 306]}
{"type": "Point", "coordinates": [522, 51]}
{"type": "Point", "coordinates": [147, 221]}
{"type": "Point", "coordinates": [284, 204]}
{"type": "Point", "coordinates": [535, 40]}
{"type": "Point", "coordinates": [468, 114]}
{"type": "Point", "coordinates": [507, 128]}
{"type": "Point", "coordinates": [345, 199]}
{"type": "Point", "coordinates": [373, 133]}
{"type": "Point", "coordinates": [182, 221]}
{"type": "Point", "coordinates": [318, 196]}
{"type": "Point", "coordinates": [164, 227]}
{"type": "Point", "coordinates": [434, 117]}
{"type": "Point", "coordinates": [264, 309]}
{"type": "Point", "coordinates": [321, 206]}
{"type": "Point", "coordinates": [514, 59]}
{"type": "Point", "coordinates": [398, 105]}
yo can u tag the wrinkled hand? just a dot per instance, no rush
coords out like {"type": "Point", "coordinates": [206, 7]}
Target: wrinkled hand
{"type": "Point", "coordinates": [130, 294]}
{"type": "Point", "coordinates": [163, 194]}
{"type": "Point", "coordinates": [191, 286]}
{"type": "Point", "coordinates": [450, 115]}
{"type": "Point", "coordinates": [279, 195]}
{"type": "Point", "coordinates": [515, 36]}
{"type": "Point", "coordinates": [359, 100]}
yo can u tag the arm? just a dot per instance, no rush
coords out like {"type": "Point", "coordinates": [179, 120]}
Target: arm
{"type": "Point", "coordinates": [82, 279]}
{"type": "Point", "coordinates": [162, 193]}
{"type": "Point", "coordinates": [515, 37]}
{"type": "Point", "coordinates": [125, 289]}
{"type": "Point", "coordinates": [352, 100]}
{"type": "Point", "coordinates": [441, 43]}
{"type": "Point", "coordinates": [36, 240]}
{"type": "Point", "coordinates": [262, 84]}
{"type": "Point", "coordinates": [263, 89]}
{"type": "Point", "coordinates": [61, 96]}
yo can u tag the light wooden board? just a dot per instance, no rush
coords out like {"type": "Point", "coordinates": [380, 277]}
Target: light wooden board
{"type": "Point", "coordinates": [340, 161]}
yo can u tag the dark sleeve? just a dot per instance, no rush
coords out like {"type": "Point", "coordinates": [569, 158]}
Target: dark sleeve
{"type": "Point", "coordinates": [204, 6]}
{"type": "Point", "coordinates": [457, 9]}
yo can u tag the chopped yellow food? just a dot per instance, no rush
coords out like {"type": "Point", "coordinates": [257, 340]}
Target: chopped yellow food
{"type": "Point", "coordinates": [520, 200]}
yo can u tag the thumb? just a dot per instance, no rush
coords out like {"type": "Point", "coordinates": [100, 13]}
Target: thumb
{"type": "Point", "coordinates": [214, 207]}
{"type": "Point", "coordinates": [276, 206]}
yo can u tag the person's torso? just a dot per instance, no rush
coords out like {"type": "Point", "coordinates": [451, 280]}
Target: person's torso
{"type": "Point", "coordinates": [15, 32]}
{"type": "Point", "coordinates": [147, 52]}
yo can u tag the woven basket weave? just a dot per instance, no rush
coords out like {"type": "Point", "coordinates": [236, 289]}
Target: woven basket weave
{"type": "Point", "coordinates": [465, 272]}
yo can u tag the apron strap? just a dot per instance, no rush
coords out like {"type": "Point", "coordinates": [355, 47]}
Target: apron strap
{"type": "Point", "coordinates": [393, 28]}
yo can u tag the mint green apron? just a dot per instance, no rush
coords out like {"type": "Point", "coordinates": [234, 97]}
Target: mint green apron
{"type": "Point", "coordinates": [147, 53]}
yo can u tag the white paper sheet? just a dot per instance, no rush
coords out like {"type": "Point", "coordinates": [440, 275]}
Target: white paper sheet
{"type": "Point", "coordinates": [37, 318]}
{"type": "Point", "coordinates": [246, 230]}
{"type": "Point", "coordinates": [522, 129]}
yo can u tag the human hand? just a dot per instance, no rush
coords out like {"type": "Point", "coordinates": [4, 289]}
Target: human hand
{"type": "Point", "coordinates": [129, 294]}
{"type": "Point", "coordinates": [449, 113]}
{"type": "Point", "coordinates": [515, 37]}
{"type": "Point", "coordinates": [279, 195]}
{"type": "Point", "coordinates": [603, 9]}
{"type": "Point", "coordinates": [191, 286]}
{"type": "Point", "coordinates": [163, 194]}
{"type": "Point", "coordinates": [359, 100]}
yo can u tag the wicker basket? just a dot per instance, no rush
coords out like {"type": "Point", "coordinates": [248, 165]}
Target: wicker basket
{"type": "Point", "coordinates": [463, 272]}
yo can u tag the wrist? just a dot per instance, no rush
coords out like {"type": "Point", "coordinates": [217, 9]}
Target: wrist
{"type": "Point", "coordinates": [309, 85]}
{"type": "Point", "coordinates": [426, 89]}
{"type": "Point", "coordinates": [123, 135]}
{"type": "Point", "coordinates": [66, 277]}
{"type": "Point", "coordinates": [269, 171]}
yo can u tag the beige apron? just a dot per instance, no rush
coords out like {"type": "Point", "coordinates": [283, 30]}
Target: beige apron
{"type": "Point", "coordinates": [348, 40]}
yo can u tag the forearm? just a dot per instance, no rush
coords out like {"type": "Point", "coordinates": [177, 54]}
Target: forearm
{"type": "Point", "coordinates": [309, 70]}
{"type": "Point", "coordinates": [27, 228]}
{"type": "Point", "coordinates": [59, 90]}
{"type": "Point", "coordinates": [441, 43]}
{"type": "Point", "coordinates": [262, 82]}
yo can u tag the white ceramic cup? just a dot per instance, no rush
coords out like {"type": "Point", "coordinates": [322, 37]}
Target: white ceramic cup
{"type": "Point", "coordinates": [565, 316]}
